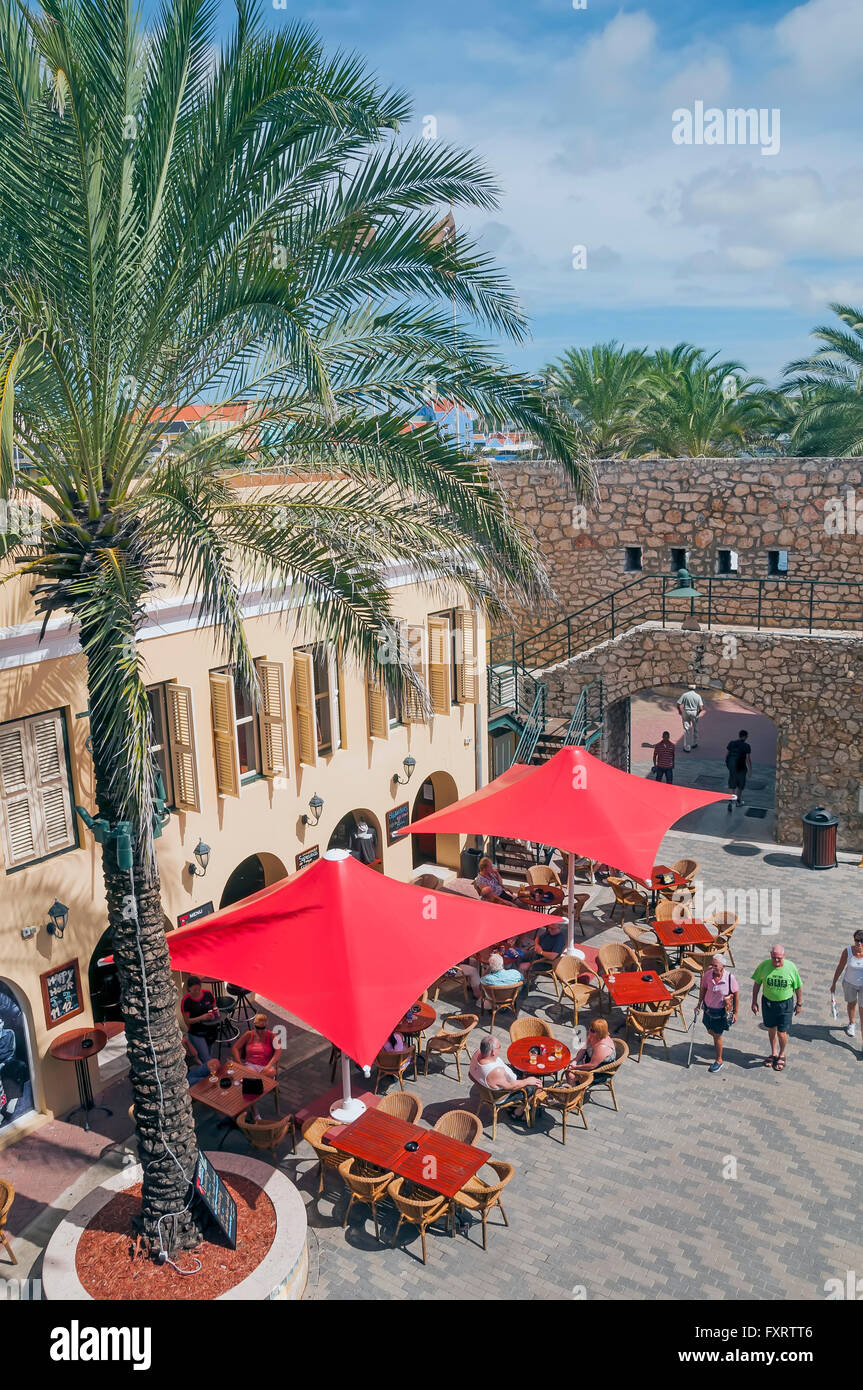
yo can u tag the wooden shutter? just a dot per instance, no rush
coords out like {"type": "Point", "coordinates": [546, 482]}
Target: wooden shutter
{"type": "Point", "coordinates": [225, 733]}
{"type": "Point", "coordinates": [22, 838]}
{"type": "Point", "coordinates": [273, 719]}
{"type": "Point", "coordinates": [412, 643]}
{"type": "Point", "coordinates": [52, 782]}
{"type": "Point", "coordinates": [181, 737]}
{"type": "Point", "coordinates": [467, 673]}
{"type": "Point", "coordinates": [440, 668]}
{"type": "Point", "coordinates": [307, 726]}
{"type": "Point", "coordinates": [379, 711]}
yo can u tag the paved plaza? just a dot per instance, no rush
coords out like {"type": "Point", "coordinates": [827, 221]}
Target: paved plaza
{"type": "Point", "coordinates": [743, 1184]}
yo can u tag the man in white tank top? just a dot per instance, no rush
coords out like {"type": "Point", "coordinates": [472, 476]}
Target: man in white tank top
{"type": "Point", "coordinates": [489, 1069]}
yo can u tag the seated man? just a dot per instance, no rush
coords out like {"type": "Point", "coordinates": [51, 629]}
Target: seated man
{"type": "Point", "coordinates": [489, 1069]}
{"type": "Point", "coordinates": [549, 945]}
{"type": "Point", "coordinates": [498, 974]}
{"type": "Point", "coordinates": [197, 1067]}
{"type": "Point", "coordinates": [201, 1017]}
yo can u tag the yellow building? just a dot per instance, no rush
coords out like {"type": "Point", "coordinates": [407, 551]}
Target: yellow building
{"type": "Point", "coordinates": [244, 784]}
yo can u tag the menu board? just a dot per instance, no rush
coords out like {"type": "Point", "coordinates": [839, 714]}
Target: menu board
{"type": "Point", "coordinates": [194, 913]}
{"type": "Point", "coordinates": [61, 993]}
{"type": "Point", "coordinates": [306, 857]}
{"type": "Point", "coordinates": [217, 1199]}
{"type": "Point", "coordinates": [397, 819]}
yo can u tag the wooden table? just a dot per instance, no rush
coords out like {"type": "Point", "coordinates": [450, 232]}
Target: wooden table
{"type": "Point", "coordinates": [231, 1103]}
{"type": "Point", "coordinates": [657, 886]}
{"type": "Point", "coordinates": [637, 987]}
{"type": "Point", "coordinates": [518, 1056]}
{"type": "Point", "coordinates": [418, 1022]}
{"type": "Point", "coordinates": [540, 898]}
{"type": "Point", "coordinates": [380, 1139]}
{"type": "Point", "coordinates": [682, 934]}
{"type": "Point", "coordinates": [79, 1046]}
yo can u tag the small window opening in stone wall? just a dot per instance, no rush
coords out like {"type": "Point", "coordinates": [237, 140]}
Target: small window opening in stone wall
{"type": "Point", "coordinates": [679, 558]}
{"type": "Point", "coordinates": [633, 559]}
{"type": "Point", "coordinates": [727, 562]}
{"type": "Point", "coordinates": [777, 562]}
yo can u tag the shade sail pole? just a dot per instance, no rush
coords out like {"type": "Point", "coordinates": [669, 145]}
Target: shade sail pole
{"type": "Point", "coordinates": [570, 888]}
{"type": "Point", "coordinates": [349, 1107]}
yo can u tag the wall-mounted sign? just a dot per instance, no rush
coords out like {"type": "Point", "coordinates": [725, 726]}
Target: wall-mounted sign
{"type": "Point", "coordinates": [307, 856]}
{"type": "Point", "coordinates": [397, 819]}
{"type": "Point", "coordinates": [61, 993]}
{"type": "Point", "coordinates": [186, 918]}
{"type": "Point", "coordinates": [217, 1199]}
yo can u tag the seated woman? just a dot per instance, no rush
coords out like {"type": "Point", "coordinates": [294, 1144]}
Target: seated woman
{"type": "Point", "coordinates": [598, 1050]}
{"type": "Point", "coordinates": [489, 884]}
{"type": "Point", "coordinates": [499, 974]}
{"type": "Point", "coordinates": [258, 1048]}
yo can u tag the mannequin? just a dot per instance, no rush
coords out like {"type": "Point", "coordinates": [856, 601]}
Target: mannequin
{"type": "Point", "coordinates": [363, 843]}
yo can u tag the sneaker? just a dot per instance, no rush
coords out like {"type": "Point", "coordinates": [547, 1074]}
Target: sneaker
{"type": "Point", "coordinates": [730, 804]}
{"type": "Point", "coordinates": [851, 1030]}
{"type": "Point", "coordinates": [716, 1066]}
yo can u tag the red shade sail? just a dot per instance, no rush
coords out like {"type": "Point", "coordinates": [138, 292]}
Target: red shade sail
{"type": "Point", "coordinates": [576, 803]}
{"type": "Point", "coordinates": [343, 947]}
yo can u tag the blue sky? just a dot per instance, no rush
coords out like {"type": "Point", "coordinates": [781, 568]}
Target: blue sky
{"type": "Point", "coordinates": [572, 109]}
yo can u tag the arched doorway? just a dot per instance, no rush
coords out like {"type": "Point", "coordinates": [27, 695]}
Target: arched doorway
{"type": "Point", "coordinates": [257, 872]}
{"type": "Point", "coordinates": [360, 833]}
{"type": "Point", "coordinates": [16, 1059]}
{"type": "Point", "coordinates": [104, 982]}
{"type": "Point", "coordinates": [437, 791]}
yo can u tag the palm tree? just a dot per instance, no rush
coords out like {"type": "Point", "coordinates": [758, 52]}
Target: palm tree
{"type": "Point", "coordinates": [827, 389]}
{"type": "Point", "coordinates": [182, 222]}
{"type": "Point", "coordinates": [696, 406]}
{"type": "Point", "coordinates": [602, 387]}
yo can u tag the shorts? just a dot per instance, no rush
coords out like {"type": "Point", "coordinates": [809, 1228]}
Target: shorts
{"type": "Point", "coordinates": [737, 779]}
{"type": "Point", "coordinates": [716, 1020]}
{"type": "Point", "coordinates": [853, 994]}
{"type": "Point", "coordinates": [778, 1013]}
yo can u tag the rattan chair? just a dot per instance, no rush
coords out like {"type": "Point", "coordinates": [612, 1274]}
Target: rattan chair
{"type": "Point", "coordinates": [459, 1124]}
{"type": "Point", "coordinates": [418, 1211]}
{"type": "Point", "coordinates": [567, 970]}
{"type": "Point", "coordinates": [686, 868]}
{"type": "Point", "coordinates": [540, 966]}
{"type": "Point", "coordinates": [543, 876]}
{"type": "Point", "coordinates": [457, 979]}
{"type": "Point", "coordinates": [650, 1023]}
{"type": "Point", "coordinates": [452, 1039]}
{"type": "Point", "coordinates": [483, 1197]}
{"type": "Point", "coordinates": [366, 1188]}
{"type": "Point", "coordinates": [726, 925]}
{"type": "Point", "coordinates": [699, 961]}
{"type": "Point", "coordinates": [504, 1100]}
{"type": "Point", "coordinates": [567, 1098]}
{"type": "Point", "coordinates": [529, 1028]}
{"type": "Point", "coordinates": [501, 998]}
{"type": "Point", "coordinates": [650, 952]}
{"type": "Point", "coordinates": [395, 1064]}
{"type": "Point", "coordinates": [680, 982]}
{"type": "Point", "coordinates": [405, 1105]}
{"type": "Point", "coordinates": [626, 895]}
{"type": "Point", "coordinates": [7, 1197]}
{"type": "Point", "coordinates": [672, 910]}
{"type": "Point", "coordinates": [604, 1075]}
{"type": "Point", "coordinates": [313, 1132]}
{"type": "Point", "coordinates": [268, 1134]}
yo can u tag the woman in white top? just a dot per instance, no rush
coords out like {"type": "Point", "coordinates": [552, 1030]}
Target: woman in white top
{"type": "Point", "coordinates": [850, 967]}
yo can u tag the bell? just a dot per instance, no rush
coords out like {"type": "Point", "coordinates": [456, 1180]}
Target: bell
{"type": "Point", "coordinates": [684, 588]}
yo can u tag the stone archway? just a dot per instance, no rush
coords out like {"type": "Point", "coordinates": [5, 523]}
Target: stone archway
{"type": "Point", "coordinates": [250, 876]}
{"type": "Point", "coordinates": [17, 1057]}
{"type": "Point", "coordinates": [437, 791]}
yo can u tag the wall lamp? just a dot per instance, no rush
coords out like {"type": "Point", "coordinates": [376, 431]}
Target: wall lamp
{"type": "Point", "coordinates": [59, 915]}
{"type": "Point", "coordinates": [409, 765]}
{"type": "Point", "coordinates": [202, 854]}
{"type": "Point", "coordinates": [316, 805]}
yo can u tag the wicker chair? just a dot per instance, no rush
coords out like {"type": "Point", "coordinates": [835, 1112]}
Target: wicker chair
{"type": "Point", "coordinates": [501, 998]}
{"type": "Point", "coordinates": [672, 910]}
{"type": "Point", "coordinates": [7, 1197]}
{"type": "Point", "coordinates": [699, 961]}
{"type": "Point", "coordinates": [604, 1075]}
{"type": "Point", "coordinates": [650, 952]}
{"type": "Point", "coordinates": [529, 1028]}
{"type": "Point", "coordinates": [579, 901]}
{"type": "Point", "coordinates": [726, 925]}
{"type": "Point", "coordinates": [686, 868]}
{"type": "Point", "coordinates": [503, 1100]}
{"type": "Point", "coordinates": [313, 1132]}
{"type": "Point", "coordinates": [568, 1099]}
{"type": "Point", "coordinates": [418, 1211]}
{"type": "Point", "coordinates": [650, 1023]}
{"type": "Point", "coordinates": [395, 1064]}
{"type": "Point", "coordinates": [615, 958]}
{"type": "Point", "coordinates": [405, 1105]}
{"type": "Point", "coordinates": [366, 1188]}
{"type": "Point", "coordinates": [452, 1039]}
{"type": "Point", "coordinates": [566, 973]}
{"type": "Point", "coordinates": [458, 981]}
{"type": "Point", "coordinates": [268, 1134]}
{"type": "Point", "coordinates": [483, 1197]}
{"type": "Point", "coordinates": [680, 982]}
{"type": "Point", "coordinates": [626, 895]}
{"type": "Point", "coordinates": [459, 1124]}
{"type": "Point", "coordinates": [540, 966]}
{"type": "Point", "coordinates": [543, 876]}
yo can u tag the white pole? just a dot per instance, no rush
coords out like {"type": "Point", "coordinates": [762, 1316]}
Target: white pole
{"type": "Point", "coordinates": [571, 948]}
{"type": "Point", "coordinates": [349, 1107]}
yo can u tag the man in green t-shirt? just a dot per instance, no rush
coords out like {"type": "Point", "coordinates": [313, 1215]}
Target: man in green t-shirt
{"type": "Point", "coordinates": [779, 982]}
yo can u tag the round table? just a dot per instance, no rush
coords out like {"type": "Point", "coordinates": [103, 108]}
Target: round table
{"type": "Point", "coordinates": [541, 897]}
{"type": "Point", "coordinates": [656, 886]}
{"type": "Point", "coordinates": [418, 1022]}
{"type": "Point", "coordinates": [518, 1056]}
{"type": "Point", "coordinates": [69, 1047]}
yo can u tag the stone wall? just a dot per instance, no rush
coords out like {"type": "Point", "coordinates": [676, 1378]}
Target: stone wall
{"type": "Point", "coordinates": [809, 686]}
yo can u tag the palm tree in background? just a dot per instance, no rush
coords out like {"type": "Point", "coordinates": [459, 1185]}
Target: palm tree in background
{"type": "Point", "coordinates": [695, 406]}
{"type": "Point", "coordinates": [825, 389]}
{"type": "Point", "coordinates": [602, 388]}
{"type": "Point", "coordinates": [184, 222]}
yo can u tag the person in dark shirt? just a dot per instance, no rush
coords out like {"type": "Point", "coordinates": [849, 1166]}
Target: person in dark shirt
{"type": "Point", "coordinates": [663, 759]}
{"type": "Point", "coordinates": [738, 760]}
{"type": "Point", "coordinates": [201, 1017]}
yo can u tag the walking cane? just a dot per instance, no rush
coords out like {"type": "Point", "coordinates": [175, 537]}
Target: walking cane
{"type": "Point", "coordinates": [691, 1029]}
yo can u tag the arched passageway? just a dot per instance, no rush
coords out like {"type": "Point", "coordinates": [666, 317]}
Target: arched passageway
{"type": "Point", "coordinates": [437, 791]}
{"type": "Point", "coordinates": [360, 832]}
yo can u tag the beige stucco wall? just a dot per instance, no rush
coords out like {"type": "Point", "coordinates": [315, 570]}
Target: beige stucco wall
{"type": "Point", "coordinates": [264, 820]}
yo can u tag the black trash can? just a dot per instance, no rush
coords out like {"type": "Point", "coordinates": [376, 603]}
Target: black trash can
{"type": "Point", "coordinates": [819, 838]}
{"type": "Point", "coordinates": [470, 863]}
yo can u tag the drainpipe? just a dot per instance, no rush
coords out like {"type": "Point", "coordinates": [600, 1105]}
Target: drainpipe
{"type": "Point", "coordinates": [478, 734]}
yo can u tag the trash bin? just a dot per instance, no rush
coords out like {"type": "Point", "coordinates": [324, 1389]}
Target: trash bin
{"type": "Point", "coordinates": [819, 838]}
{"type": "Point", "coordinates": [470, 863]}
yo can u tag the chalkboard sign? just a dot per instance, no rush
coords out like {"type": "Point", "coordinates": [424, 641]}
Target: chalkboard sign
{"type": "Point", "coordinates": [217, 1199]}
{"type": "Point", "coordinates": [397, 819]}
{"type": "Point", "coordinates": [185, 918]}
{"type": "Point", "coordinates": [307, 856]}
{"type": "Point", "coordinates": [61, 993]}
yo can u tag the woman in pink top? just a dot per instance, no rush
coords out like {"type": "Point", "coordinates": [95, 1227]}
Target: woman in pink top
{"type": "Point", "coordinates": [719, 997]}
{"type": "Point", "coordinates": [258, 1047]}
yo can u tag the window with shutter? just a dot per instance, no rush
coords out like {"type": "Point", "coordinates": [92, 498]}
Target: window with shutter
{"type": "Point", "coordinates": [440, 667]}
{"type": "Point", "coordinates": [273, 719]}
{"type": "Point", "coordinates": [34, 789]}
{"type": "Point", "coordinates": [378, 706]}
{"type": "Point", "coordinates": [55, 803]}
{"type": "Point", "coordinates": [412, 646]}
{"type": "Point", "coordinates": [467, 672]}
{"type": "Point", "coordinates": [304, 691]}
{"type": "Point", "coordinates": [181, 734]}
{"type": "Point", "coordinates": [225, 733]}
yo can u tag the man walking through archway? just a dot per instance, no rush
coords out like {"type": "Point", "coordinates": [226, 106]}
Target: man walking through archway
{"type": "Point", "coordinates": [691, 707]}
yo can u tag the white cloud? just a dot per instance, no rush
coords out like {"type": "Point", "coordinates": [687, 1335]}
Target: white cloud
{"type": "Point", "coordinates": [823, 39]}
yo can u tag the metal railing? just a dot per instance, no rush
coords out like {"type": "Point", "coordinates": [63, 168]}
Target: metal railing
{"type": "Point", "coordinates": [583, 728]}
{"type": "Point", "coordinates": [534, 726]}
{"type": "Point", "coordinates": [800, 605]}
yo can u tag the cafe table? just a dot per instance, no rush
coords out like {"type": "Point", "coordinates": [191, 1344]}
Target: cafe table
{"type": "Point", "coordinates": [78, 1046]}
{"type": "Point", "coordinates": [636, 987]}
{"type": "Point", "coordinates": [414, 1025]}
{"type": "Point", "coordinates": [680, 935]}
{"type": "Point", "coordinates": [540, 897]}
{"type": "Point", "coordinates": [663, 880]}
{"type": "Point", "coordinates": [519, 1056]}
{"type": "Point", "coordinates": [439, 1163]}
{"type": "Point", "coordinates": [230, 1102]}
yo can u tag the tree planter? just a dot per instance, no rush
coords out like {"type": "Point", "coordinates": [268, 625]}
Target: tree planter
{"type": "Point", "coordinates": [281, 1273]}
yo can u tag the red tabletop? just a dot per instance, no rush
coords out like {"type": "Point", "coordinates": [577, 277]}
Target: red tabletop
{"type": "Point", "coordinates": [518, 1055]}
{"type": "Point", "coordinates": [67, 1048]}
{"type": "Point", "coordinates": [682, 933]}
{"type": "Point", "coordinates": [380, 1139]}
{"type": "Point", "coordinates": [230, 1102]}
{"type": "Point", "coordinates": [424, 1019]}
{"type": "Point", "coordinates": [544, 895]}
{"type": "Point", "coordinates": [632, 987]}
{"type": "Point", "coordinates": [676, 881]}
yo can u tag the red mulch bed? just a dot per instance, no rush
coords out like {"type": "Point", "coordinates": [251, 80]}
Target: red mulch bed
{"type": "Point", "coordinates": [107, 1270]}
